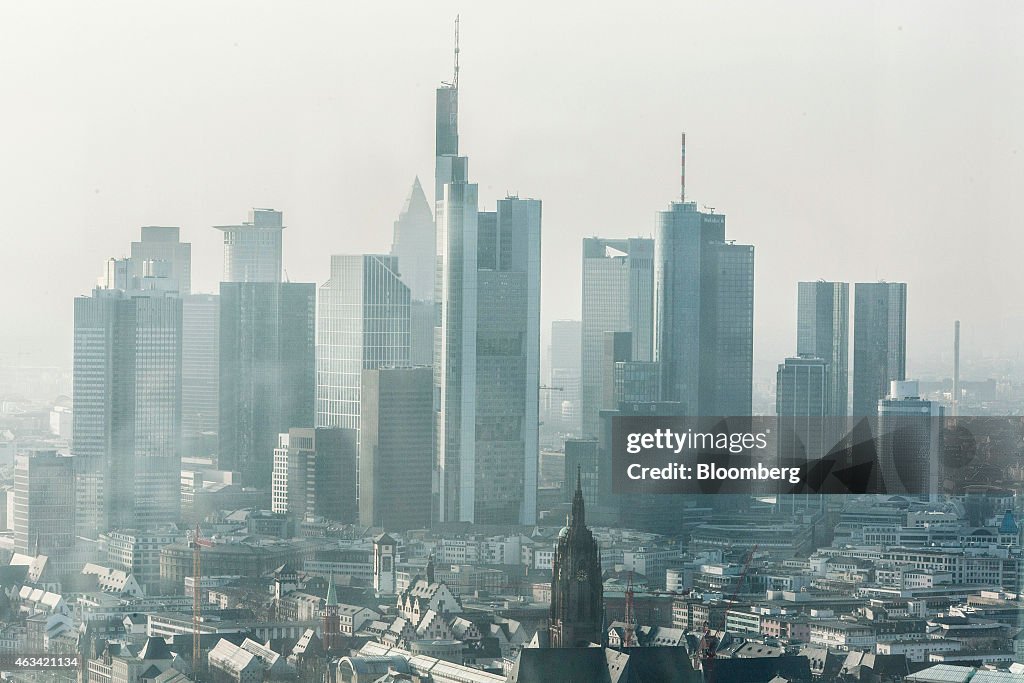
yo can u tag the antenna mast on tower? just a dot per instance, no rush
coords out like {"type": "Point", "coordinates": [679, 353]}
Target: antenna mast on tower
{"type": "Point", "coordinates": [682, 170]}
{"type": "Point", "coordinates": [455, 78]}
{"type": "Point", "coordinates": [454, 83]}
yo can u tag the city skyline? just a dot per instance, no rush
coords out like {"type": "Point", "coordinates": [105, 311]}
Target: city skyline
{"type": "Point", "coordinates": [465, 438]}
{"type": "Point", "coordinates": [895, 212]}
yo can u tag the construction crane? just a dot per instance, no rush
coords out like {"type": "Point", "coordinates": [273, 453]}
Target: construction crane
{"type": "Point", "coordinates": [629, 630]}
{"type": "Point", "coordinates": [197, 543]}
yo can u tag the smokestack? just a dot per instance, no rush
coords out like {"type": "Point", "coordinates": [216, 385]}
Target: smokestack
{"type": "Point", "coordinates": [956, 368]}
{"type": "Point", "coordinates": [682, 169]}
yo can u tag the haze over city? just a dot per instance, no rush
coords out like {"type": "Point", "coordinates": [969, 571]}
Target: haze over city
{"type": "Point", "coordinates": [847, 141]}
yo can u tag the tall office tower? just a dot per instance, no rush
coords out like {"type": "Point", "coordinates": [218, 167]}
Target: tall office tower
{"type": "Point", "coordinates": [267, 372]}
{"type": "Point", "coordinates": [802, 394]}
{"type": "Point", "coordinates": [44, 505]}
{"type": "Point", "coordinates": [909, 440]}
{"type": "Point", "coordinates": [164, 244]}
{"type": "Point", "coordinates": [363, 323]}
{"type": "Point", "coordinates": [252, 250]}
{"type": "Point", "coordinates": [803, 433]}
{"type": "Point", "coordinates": [200, 374]}
{"type": "Point", "coordinates": [414, 245]}
{"type": "Point", "coordinates": [879, 342]}
{"type": "Point", "coordinates": [618, 296]}
{"type": "Point", "coordinates": [488, 342]}
{"type": "Point", "coordinates": [127, 409]}
{"type": "Point", "coordinates": [823, 331]}
{"type": "Point", "coordinates": [489, 370]}
{"type": "Point", "coordinates": [396, 449]}
{"type": "Point", "coordinates": [563, 395]}
{"type": "Point", "coordinates": [449, 167]}
{"type": "Point", "coordinates": [315, 474]}
{"type": "Point", "coordinates": [415, 248]}
{"type": "Point", "coordinates": [704, 313]}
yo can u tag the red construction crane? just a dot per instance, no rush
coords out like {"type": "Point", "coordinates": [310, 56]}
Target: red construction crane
{"type": "Point", "coordinates": [197, 542]}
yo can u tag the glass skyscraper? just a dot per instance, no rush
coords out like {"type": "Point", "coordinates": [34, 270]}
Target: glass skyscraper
{"type": "Point", "coordinates": [487, 345]}
{"type": "Point", "coordinates": [879, 342]}
{"type": "Point", "coordinates": [823, 331]}
{"type": "Point", "coordinates": [127, 409]}
{"type": "Point", "coordinates": [910, 440]}
{"type": "Point", "coordinates": [618, 296]}
{"type": "Point", "coordinates": [200, 375]}
{"type": "Point", "coordinates": [704, 313]}
{"type": "Point", "coordinates": [362, 324]}
{"type": "Point", "coordinates": [267, 372]}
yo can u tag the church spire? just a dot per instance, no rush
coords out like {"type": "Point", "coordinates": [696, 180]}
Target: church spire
{"type": "Point", "coordinates": [578, 517]}
{"type": "Point", "coordinates": [332, 596]}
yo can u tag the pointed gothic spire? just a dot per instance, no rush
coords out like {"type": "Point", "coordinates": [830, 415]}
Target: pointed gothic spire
{"type": "Point", "coordinates": [578, 517]}
{"type": "Point", "coordinates": [332, 596]}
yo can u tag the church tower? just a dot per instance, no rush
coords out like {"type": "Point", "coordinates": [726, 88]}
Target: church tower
{"type": "Point", "coordinates": [577, 591]}
{"type": "Point", "coordinates": [332, 618]}
{"type": "Point", "coordinates": [385, 565]}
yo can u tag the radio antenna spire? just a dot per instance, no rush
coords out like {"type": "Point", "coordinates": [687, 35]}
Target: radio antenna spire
{"type": "Point", "coordinates": [455, 77]}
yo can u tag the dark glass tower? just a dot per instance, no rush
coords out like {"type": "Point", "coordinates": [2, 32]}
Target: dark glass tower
{"type": "Point", "coordinates": [396, 448]}
{"type": "Point", "coordinates": [879, 342]}
{"type": "Point", "coordinates": [267, 374]}
{"type": "Point", "coordinates": [704, 313]}
{"type": "Point", "coordinates": [823, 331]}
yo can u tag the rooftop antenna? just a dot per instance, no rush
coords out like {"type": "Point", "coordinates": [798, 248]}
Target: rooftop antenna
{"type": "Point", "coordinates": [682, 170]}
{"type": "Point", "coordinates": [454, 83]}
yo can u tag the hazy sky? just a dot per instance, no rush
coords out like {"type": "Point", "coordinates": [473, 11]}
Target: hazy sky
{"type": "Point", "coordinates": [845, 140]}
